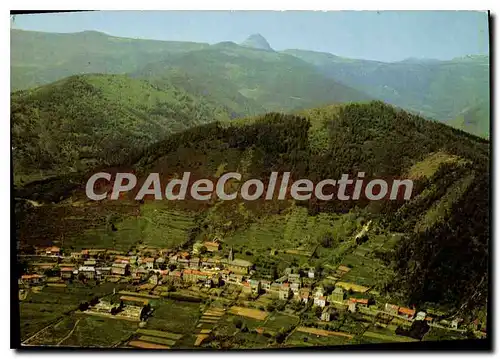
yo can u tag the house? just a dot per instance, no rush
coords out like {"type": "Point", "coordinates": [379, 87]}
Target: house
{"type": "Point", "coordinates": [255, 286]}
{"type": "Point", "coordinates": [391, 308]}
{"type": "Point", "coordinates": [337, 295]}
{"type": "Point", "coordinates": [235, 278]}
{"type": "Point", "coordinates": [33, 278]}
{"type": "Point", "coordinates": [284, 292]}
{"type": "Point", "coordinates": [160, 261]}
{"type": "Point", "coordinates": [295, 288]}
{"type": "Point", "coordinates": [319, 292]}
{"type": "Point", "coordinates": [304, 296]}
{"type": "Point", "coordinates": [88, 272]}
{"type": "Point", "coordinates": [239, 266]}
{"type": "Point", "coordinates": [362, 302]}
{"type": "Point", "coordinates": [52, 251]}
{"type": "Point", "coordinates": [120, 269]}
{"type": "Point", "coordinates": [66, 272]}
{"type": "Point", "coordinates": [326, 314]}
{"type": "Point", "coordinates": [310, 273]}
{"type": "Point", "coordinates": [153, 279]}
{"type": "Point", "coordinates": [212, 246]}
{"type": "Point", "coordinates": [420, 316]}
{"type": "Point", "coordinates": [89, 263]}
{"type": "Point", "coordinates": [265, 285]}
{"type": "Point", "coordinates": [294, 278]}
{"type": "Point", "coordinates": [104, 270]}
{"type": "Point", "coordinates": [95, 253]}
{"type": "Point", "coordinates": [175, 276]}
{"type": "Point", "coordinates": [352, 307]}
{"type": "Point", "coordinates": [194, 263]}
{"type": "Point", "coordinates": [320, 301]}
{"type": "Point", "coordinates": [455, 322]}
{"type": "Point", "coordinates": [246, 288]}
{"type": "Point", "coordinates": [406, 312]}
{"type": "Point", "coordinates": [76, 255]}
{"type": "Point", "coordinates": [148, 262]}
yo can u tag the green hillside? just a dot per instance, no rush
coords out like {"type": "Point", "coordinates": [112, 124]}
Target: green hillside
{"type": "Point", "coordinates": [475, 119]}
{"type": "Point", "coordinates": [38, 58]}
{"type": "Point", "coordinates": [437, 89]}
{"type": "Point", "coordinates": [89, 120]}
{"type": "Point", "coordinates": [249, 80]}
{"type": "Point", "coordinates": [423, 250]}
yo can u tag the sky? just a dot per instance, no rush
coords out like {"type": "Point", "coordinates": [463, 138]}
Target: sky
{"type": "Point", "coordinates": [384, 36]}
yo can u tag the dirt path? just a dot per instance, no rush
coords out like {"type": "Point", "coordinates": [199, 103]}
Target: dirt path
{"type": "Point", "coordinates": [69, 334]}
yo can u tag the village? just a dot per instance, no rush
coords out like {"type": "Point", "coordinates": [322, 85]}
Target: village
{"type": "Point", "coordinates": [145, 275]}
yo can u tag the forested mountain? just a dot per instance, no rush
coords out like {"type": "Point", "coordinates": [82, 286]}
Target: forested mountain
{"type": "Point", "coordinates": [249, 80]}
{"type": "Point", "coordinates": [88, 120]}
{"type": "Point", "coordinates": [438, 89]}
{"type": "Point", "coordinates": [436, 252]}
{"type": "Point", "coordinates": [38, 58]}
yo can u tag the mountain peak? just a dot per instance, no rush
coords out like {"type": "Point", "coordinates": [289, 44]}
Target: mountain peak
{"type": "Point", "coordinates": [257, 41]}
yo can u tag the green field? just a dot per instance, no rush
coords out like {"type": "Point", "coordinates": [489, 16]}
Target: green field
{"type": "Point", "coordinates": [173, 316]}
{"type": "Point", "coordinates": [100, 332]}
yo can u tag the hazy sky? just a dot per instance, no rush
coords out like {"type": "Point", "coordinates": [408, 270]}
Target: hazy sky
{"type": "Point", "coordinates": [385, 36]}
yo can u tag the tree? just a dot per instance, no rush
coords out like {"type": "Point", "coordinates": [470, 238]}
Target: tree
{"type": "Point", "coordinates": [238, 323]}
{"type": "Point", "coordinates": [83, 306]}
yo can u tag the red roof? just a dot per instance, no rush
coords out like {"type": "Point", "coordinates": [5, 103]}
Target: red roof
{"type": "Point", "coordinates": [407, 311]}
{"type": "Point", "coordinates": [31, 276]}
{"type": "Point", "coordinates": [66, 269]}
{"type": "Point", "coordinates": [359, 300]}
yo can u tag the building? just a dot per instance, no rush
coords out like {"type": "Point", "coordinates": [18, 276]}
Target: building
{"type": "Point", "coordinates": [246, 288]}
{"type": "Point", "coordinates": [311, 273]}
{"type": "Point", "coordinates": [362, 302]}
{"type": "Point", "coordinates": [89, 263]}
{"type": "Point", "coordinates": [153, 279]}
{"type": "Point", "coordinates": [66, 272]}
{"type": "Point", "coordinates": [337, 295]}
{"type": "Point", "coordinates": [326, 314]}
{"type": "Point", "coordinates": [294, 278]}
{"type": "Point", "coordinates": [295, 287]}
{"type": "Point", "coordinates": [319, 292]}
{"type": "Point", "coordinates": [320, 301]}
{"type": "Point", "coordinates": [194, 263]}
{"type": "Point", "coordinates": [33, 278]}
{"type": "Point", "coordinates": [255, 286]}
{"type": "Point", "coordinates": [175, 276]}
{"type": "Point", "coordinates": [304, 296]}
{"type": "Point", "coordinates": [391, 308]}
{"type": "Point", "coordinates": [52, 251]}
{"type": "Point", "coordinates": [420, 316]}
{"type": "Point", "coordinates": [352, 307]}
{"type": "Point", "coordinates": [406, 312]}
{"type": "Point", "coordinates": [284, 292]}
{"type": "Point", "coordinates": [265, 285]}
{"type": "Point", "coordinates": [148, 262]}
{"type": "Point", "coordinates": [120, 269]}
{"type": "Point", "coordinates": [88, 272]}
{"type": "Point", "coordinates": [239, 266]}
{"type": "Point", "coordinates": [212, 246]}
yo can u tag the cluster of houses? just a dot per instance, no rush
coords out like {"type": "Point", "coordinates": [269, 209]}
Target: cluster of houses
{"type": "Point", "coordinates": [163, 266]}
{"type": "Point", "coordinates": [156, 265]}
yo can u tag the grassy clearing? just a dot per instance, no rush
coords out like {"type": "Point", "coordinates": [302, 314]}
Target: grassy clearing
{"type": "Point", "coordinates": [159, 333]}
{"type": "Point", "coordinates": [100, 332]}
{"type": "Point", "coordinates": [249, 313]}
{"type": "Point", "coordinates": [156, 340]}
{"type": "Point", "coordinates": [280, 321]}
{"type": "Point", "coordinates": [176, 317]}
